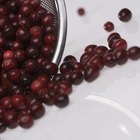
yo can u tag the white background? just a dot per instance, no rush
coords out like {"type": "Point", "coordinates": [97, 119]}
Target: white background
{"type": "Point", "coordinates": [108, 108]}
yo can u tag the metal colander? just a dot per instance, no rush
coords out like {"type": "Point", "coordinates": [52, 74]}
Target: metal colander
{"type": "Point", "coordinates": [57, 7]}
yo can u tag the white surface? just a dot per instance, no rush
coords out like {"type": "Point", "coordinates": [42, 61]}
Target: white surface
{"type": "Point", "coordinates": [108, 108]}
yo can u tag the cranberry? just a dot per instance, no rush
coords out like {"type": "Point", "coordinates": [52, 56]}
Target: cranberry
{"type": "Point", "coordinates": [13, 6]}
{"type": "Point", "coordinates": [19, 56]}
{"type": "Point", "coordinates": [120, 43]}
{"type": "Point", "coordinates": [22, 34]}
{"type": "Point", "coordinates": [77, 77]}
{"type": "Point", "coordinates": [36, 31]}
{"type": "Point", "coordinates": [67, 77]}
{"type": "Point", "coordinates": [50, 38]}
{"type": "Point", "coordinates": [109, 59]}
{"type": "Point", "coordinates": [50, 68]}
{"type": "Point", "coordinates": [70, 58]}
{"type": "Point", "coordinates": [36, 41]}
{"type": "Point", "coordinates": [3, 21]}
{"type": "Point", "coordinates": [109, 26]}
{"type": "Point", "coordinates": [47, 51]}
{"type": "Point", "coordinates": [35, 18]}
{"type": "Point", "coordinates": [91, 72]}
{"type": "Point", "coordinates": [134, 53]}
{"type": "Point", "coordinates": [16, 90]}
{"type": "Point", "coordinates": [35, 3]}
{"type": "Point", "coordinates": [37, 110]}
{"type": "Point", "coordinates": [6, 102]}
{"type": "Point", "coordinates": [10, 118]}
{"type": "Point", "coordinates": [65, 67]}
{"type": "Point", "coordinates": [25, 120]}
{"type": "Point", "coordinates": [125, 15]}
{"type": "Point", "coordinates": [58, 78]}
{"type": "Point", "coordinates": [24, 21]}
{"type": "Point", "coordinates": [61, 100]}
{"type": "Point", "coordinates": [120, 56]}
{"type": "Point", "coordinates": [8, 64]}
{"type": "Point", "coordinates": [65, 87]}
{"type": "Point", "coordinates": [25, 10]}
{"type": "Point", "coordinates": [31, 65]}
{"type": "Point", "coordinates": [48, 19]}
{"type": "Point", "coordinates": [32, 52]}
{"type": "Point", "coordinates": [97, 60]}
{"type": "Point", "coordinates": [14, 75]}
{"type": "Point", "coordinates": [8, 54]}
{"type": "Point", "coordinates": [37, 84]}
{"type": "Point", "coordinates": [16, 45]}
{"type": "Point", "coordinates": [113, 36]}
{"type": "Point", "coordinates": [3, 10]}
{"type": "Point", "coordinates": [77, 66]}
{"type": "Point", "coordinates": [9, 32]}
{"type": "Point", "coordinates": [48, 29]}
{"type": "Point", "coordinates": [100, 50]}
{"type": "Point", "coordinates": [42, 11]}
{"type": "Point", "coordinates": [19, 101]}
{"type": "Point", "coordinates": [90, 48]}
{"type": "Point", "coordinates": [81, 11]}
{"type": "Point", "coordinates": [85, 56]}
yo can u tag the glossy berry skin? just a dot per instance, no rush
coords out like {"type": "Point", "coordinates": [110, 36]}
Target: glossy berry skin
{"type": "Point", "coordinates": [109, 26]}
{"type": "Point", "coordinates": [2, 110]}
{"type": "Point", "coordinates": [85, 56]}
{"type": "Point", "coordinates": [10, 118]}
{"type": "Point", "coordinates": [19, 101]}
{"type": "Point", "coordinates": [16, 45]}
{"type": "Point", "coordinates": [3, 91]}
{"type": "Point", "coordinates": [32, 52]}
{"type": "Point", "coordinates": [25, 120]}
{"type": "Point", "coordinates": [25, 21]}
{"type": "Point", "coordinates": [125, 15]}
{"type": "Point", "coordinates": [133, 53]}
{"type": "Point", "coordinates": [19, 56]}
{"type": "Point", "coordinates": [100, 50]}
{"type": "Point", "coordinates": [97, 60]}
{"type": "Point", "coordinates": [69, 58]}
{"type": "Point", "coordinates": [6, 102]}
{"type": "Point", "coordinates": [36, 31]}
{"type": "Point", "coordinates": [48, 19]}
{"type": "Point", "coordinates": [2, 41]}
{"type": "Point", "coordinates": [3, 10]}
{"type": "Point", "coordinates": [47, 51]}
{"type": "Point", "coordinates": [91, 72]}
{"type": "Point", "coordinates": [90, 48]}
{"type": "Point", "coordinates": [8, 54]}
{"type": "Point", "coordinates": [65, 67]}
{"type": "Point", "coordinates": [120, 43]}
{"type": "Point", "coordinates": [120, 56]}
{"type": "Point", "coordinates": [50, 68]}
{"type": "Point", "coordinates": [48, 29]}
{"type": "Point", "coordinates": [22, 35]}
{"type": "Point", "coordinates": [109, 60]}
{"type": "Point", "coordinates": [37, 110]}
{"type": "Point", "coordinates": [25, 10]}
{"type": "Point", "coordinates": [14, 75]}
{"type": "Point", "coordinates": [61, 101]}
{"type": "Point", "coordinates": [113, 36]}
{"type": "Point", "coordinates": [50, 39]}
{"type": "Point", "coordinates": [35, 18]}
{"type": "Point", "coordinates": [77, 77]}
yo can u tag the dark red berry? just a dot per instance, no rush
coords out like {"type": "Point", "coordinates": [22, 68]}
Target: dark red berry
{"type": "Point", "coordinates": [25, 10]}
{"type": "Point", "coordinates": [81, 11]}
{"type": "Point", "coordinates": [91, 72]}
{"type": "Point", "coordinates": [90, 48]}
{"type": "Point", "coordinates": [48, 19]}
{"type": "Point", "coordinates": [19, 101]}
{"type": "Point", "coordinates": [109, 59]}
{"type": "Point", "coordinates": [50, 38]}
{"type": "Point", "coordinates": [109, 26]}
{"type": "Point", "coordinates": [125, 15]}
{"type": "Point", "coordinates": [25, 120]}
{"type": "Point", "coordinates": [61, 100]}
{"type": "Point", "coordinates": [77, 77]}
{"type": "Point", "coordinates": [120, 56]}
{"type": "Point", "coordinates": [100, 50]}
{"type": "Point", "coordinates": [37, 110]}
{"type": "Point", "coordinates": [120, 43]}
{"type": "Point", "coordinates": [134, 53]}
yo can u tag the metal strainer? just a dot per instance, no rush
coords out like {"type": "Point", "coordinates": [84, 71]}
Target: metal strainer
{"type": "Point", "coordinates": [57, 7]}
